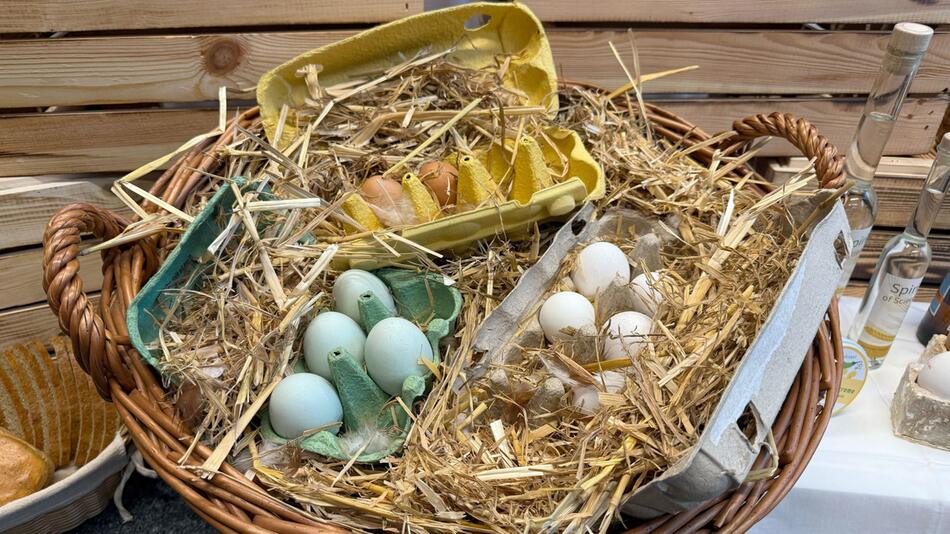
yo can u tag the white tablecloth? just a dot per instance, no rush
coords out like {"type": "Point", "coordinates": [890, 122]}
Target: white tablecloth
{"type": "Point", "coordinates": [862, 478]}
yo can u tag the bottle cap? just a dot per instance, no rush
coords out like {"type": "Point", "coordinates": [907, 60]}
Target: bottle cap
{"type": "Point", "coordinates": [944, 145]}
{"type": "Point", "coordinates": [910, 38]}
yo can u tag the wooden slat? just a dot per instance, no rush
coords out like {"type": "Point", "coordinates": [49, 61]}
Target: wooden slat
{"type": "Point", "coordinates": [939, 265]}
{"type": "Point", "coordinates": [74, 71]}
{"type": "Point", "coordinates": [26, 204]}
{"type": "Point", "coordinates": [898, 183]}
{"type": "Point", "coordinates": [22, 280]}
{"type": "Point", "coordinates": [22, 16]}
{"type": "Point", "coordinates": [28, 323]}
{"type": "Point", "coordinates": [743, 11]}
{"type": "Point", "coordinates": [753, 61]}
{"type": "Point", "coordinates": [97, 141]}
{"type": "Point", "coordinates": [54, 143]}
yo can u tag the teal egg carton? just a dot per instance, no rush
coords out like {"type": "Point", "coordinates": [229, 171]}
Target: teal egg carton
{"type": "Point", "coordinates": [422, 298]}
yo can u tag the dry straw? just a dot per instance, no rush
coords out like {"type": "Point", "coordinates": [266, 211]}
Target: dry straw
{"type": "Point", "coordinates": [476, 459]}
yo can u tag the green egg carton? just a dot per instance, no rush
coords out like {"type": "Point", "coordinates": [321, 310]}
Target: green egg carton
{"type": "Point", "coordinates": [422, 298]}
{"type": "Point", "coordinates": [506, 29]}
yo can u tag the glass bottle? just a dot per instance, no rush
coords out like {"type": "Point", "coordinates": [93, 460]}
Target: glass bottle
{"type": "Point", "coordinates": [905, 50]}
{"type": "Point", "coordinates": [937, 317]}
{"type": "Point", "coordinates": [901, 267]}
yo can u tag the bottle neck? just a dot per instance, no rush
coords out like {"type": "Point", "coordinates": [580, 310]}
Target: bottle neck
{"type": "Point", "coordinates": [931, 197]}
{"type": "Point", "coordinates": [879, 115]}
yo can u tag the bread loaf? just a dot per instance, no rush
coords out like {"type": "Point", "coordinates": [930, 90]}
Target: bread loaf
{"type": "Point", "coordinates": [49, 402]}
{"type": "Point", "coordinates": [25, 469]}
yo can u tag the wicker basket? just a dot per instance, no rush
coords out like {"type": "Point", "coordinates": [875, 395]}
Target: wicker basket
{"type": "Point", "coordinates": [230, 502]}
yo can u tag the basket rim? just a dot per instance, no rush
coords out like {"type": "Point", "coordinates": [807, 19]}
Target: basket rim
{"type": "Point", "coordinates": [104, 350]}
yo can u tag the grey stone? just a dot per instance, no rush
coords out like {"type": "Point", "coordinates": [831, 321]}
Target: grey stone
{"type": "Point", "coordinates": [918, 415]}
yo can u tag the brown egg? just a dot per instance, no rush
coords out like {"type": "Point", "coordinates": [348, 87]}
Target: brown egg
{"type": "Point", "coordinates": [442, 180]}
{"type": "Point", "coordinates": [381, 192]}
{"type": "Point", "coordinates": [386, 197]}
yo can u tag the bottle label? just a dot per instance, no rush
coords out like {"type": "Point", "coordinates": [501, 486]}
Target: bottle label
{"type": "Point", "coordinates": [854, 376]}
{"type": "Point", "coordinates": [889, 306]}
{"type": "Point", "coordinates": [858, 239]}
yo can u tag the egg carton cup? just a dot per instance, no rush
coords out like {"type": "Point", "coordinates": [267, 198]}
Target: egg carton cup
{"type": "Point", "coordinates": [377, 424]}
{"type": "Point", "coordinates": [723, 455]}
{"type": "Point", "coordinates": [419, 297]}
{"type": "Point", "coordinates": [918, 415]}
{"type": "Point", "coordinates": [505, 29]}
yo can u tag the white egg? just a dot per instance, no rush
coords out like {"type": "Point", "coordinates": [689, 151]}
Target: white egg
{"type": "Point", "coordinates": [646, 298]}
{"type": "Point", "coordinates": [599, 264]}
{"type": "Point", "coordinates": [304, 401]}
{"type": "Point", "coordinates": [587, 398]}
{"type": "Point", "coordinates": [353, 283]}
{"type": "Point", "coordinates": [625, 333]}
{"type": "Point", "coordinates": [564, 309]}
{"type": "Point", "coordinates": [325, 333]}
{"type": "Point", "coordinates": [934, 376]}
{"type": "Point", "coordinates": [392, 351]}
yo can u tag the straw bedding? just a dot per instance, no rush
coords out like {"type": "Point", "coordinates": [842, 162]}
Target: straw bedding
{"type": "Point", "coordinates": [476, 458]}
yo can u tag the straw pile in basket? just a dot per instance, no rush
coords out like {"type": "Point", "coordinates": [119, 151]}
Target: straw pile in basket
{"type": "Point", "coordinates": [237, 332]}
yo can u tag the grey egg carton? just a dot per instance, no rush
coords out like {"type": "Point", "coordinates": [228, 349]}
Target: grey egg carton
{"type": "Point", "coordinates": [723, 456]}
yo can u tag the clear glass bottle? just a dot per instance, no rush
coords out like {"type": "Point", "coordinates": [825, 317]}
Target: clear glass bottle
{"type": "Point", "coordinates": [901, 267]}
{"type": "Point", "coordinates": [905, 50]}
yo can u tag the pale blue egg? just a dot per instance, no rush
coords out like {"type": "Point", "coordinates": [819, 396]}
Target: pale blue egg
{"type": "Point", "coordinates": [326, 332]}
{"type": "Point", "coordinates": [393, 348]}
{"type": "Point", "coordinates": [353, 283]}
{"type": "Point", "coordinates": [302, 402]}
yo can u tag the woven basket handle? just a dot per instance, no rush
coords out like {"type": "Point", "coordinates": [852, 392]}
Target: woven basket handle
{"type": "Point", "coordinates": [94, 345]}
{"type": "Point", "coordinates": [829, 165]}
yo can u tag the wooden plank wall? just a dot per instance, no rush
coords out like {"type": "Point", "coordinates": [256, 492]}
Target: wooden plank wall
{"type": "Point", "coordinates": [93, 89]}
{"type": "Point", "coordinates": [89, 90]}
{"type": "Point", "coordinates": [814, 59]}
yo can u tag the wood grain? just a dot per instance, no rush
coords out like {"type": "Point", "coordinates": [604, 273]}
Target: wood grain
{"type": "Point", "coordinates": [751, 61]}
{"type": "Point", "coordinates": [97, 141]}
{"type": "Point", "coordinates": [26, 204]}
{"type": "Point", "coordinates": [28, 323]}
{"type": "Point", "coordinates": [184, 68]}
{"type": "Point", "coordinates": [898, 183]}
{"type": "Point", "coordinates": [743, 11]}
{"type": "Point", "coordinates": [22, 16]}
{"type": "Point", "coordinates": [939, 244]}
{"type": "Point", "coordinates": [22, 279]}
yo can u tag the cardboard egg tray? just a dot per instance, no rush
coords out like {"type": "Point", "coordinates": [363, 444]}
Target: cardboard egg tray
{"type": "Point", "coordinates": [507, 29]}
{"type": "Point", "coordinates": [723, 456]}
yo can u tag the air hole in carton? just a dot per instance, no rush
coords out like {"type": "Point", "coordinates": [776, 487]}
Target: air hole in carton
{"type": "Point", "coordinates": [746, 422]}
{"type": "Point", "coordinates": [841, 248]}
{"type": "Point", "coordinates": [477, 22]}
{"type": "Point", "coordinates": [578, 225]}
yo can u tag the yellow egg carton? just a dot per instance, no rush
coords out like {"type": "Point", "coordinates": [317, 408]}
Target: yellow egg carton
{"type": "Point", "coordinates": [537, 185]}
